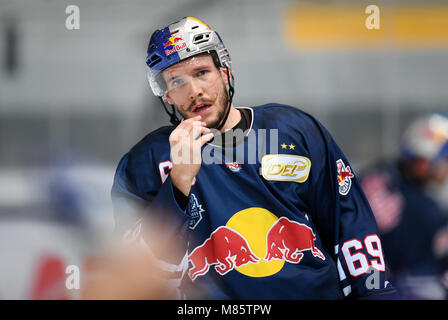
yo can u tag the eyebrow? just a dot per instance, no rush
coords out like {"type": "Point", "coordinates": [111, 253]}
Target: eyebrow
{"type": "Point", "coordinates": [201, 67]}
{"type": "Point", "coordinates": [172, 78]}
{"type": "Point", "coordinates": [195, 69]}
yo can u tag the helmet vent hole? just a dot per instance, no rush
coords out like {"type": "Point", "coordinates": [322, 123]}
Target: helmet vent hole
{"type": "Point", "coordinates": [200, 38]}
{"type": "Point", "coordinates": [155, 59]}
{"type": "Point", "coordinates": [195, 27]}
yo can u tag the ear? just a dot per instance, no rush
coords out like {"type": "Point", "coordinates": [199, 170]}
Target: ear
{"type": "Point", "coordinates": [224, 75]}
{"type": "Point", "coordinates": [168, 98]}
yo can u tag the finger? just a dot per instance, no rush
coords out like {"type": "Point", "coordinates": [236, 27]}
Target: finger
{"type": "Point", "coordinates": [192, 125]}
{"type": "Point", "coordinates": [177, 134]}
{"type": "Point", "coordinates": [190, 120]}
{"type": "Point", "coordinates": [174, 136]}
{"type": "Point", "coordinates": [206, 138]}
{"type": "Point", "coordinates": [198, 132]}
{"type": "Point", "coordinates": [186, 123]}
{"type": "Point", "coordinates": [196, 129]}
{"type": "Point", "coordinates": [185, 130]}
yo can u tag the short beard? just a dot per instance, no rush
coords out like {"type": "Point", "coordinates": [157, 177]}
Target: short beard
{"type": "Point", "coordinates": [223, 104]}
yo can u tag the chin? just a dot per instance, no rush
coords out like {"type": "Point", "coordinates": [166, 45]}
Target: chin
{"type": "Point", "coordinates": [211, 120]}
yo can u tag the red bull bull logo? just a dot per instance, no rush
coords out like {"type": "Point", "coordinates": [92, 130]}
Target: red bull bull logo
{"type": "Point", "coordinates": [345, 176]}
{"type": "Point", "coordinates": [226, 249]}
{"type": "Point", "coordinates": [288, 239]}
{"type": "Point", "coordinates": [255, 252]}
{"type": "Point", "coordinates": [173, 42]}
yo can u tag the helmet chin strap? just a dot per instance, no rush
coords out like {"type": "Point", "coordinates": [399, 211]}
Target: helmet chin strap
{"type": "Point", "coordinates": [230, 95]}
{"type": "Point", "coordinates": [175, 121]}
{"type": "Point", "coordinates": [173, 116]}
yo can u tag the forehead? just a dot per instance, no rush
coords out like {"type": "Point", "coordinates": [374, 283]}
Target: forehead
{"type": "Point", "coordinates": [190, 64]}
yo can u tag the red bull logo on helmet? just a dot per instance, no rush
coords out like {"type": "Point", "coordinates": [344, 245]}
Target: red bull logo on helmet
{"type": "Point", "coordinates": [174, 42]}
{"type": "Point", "coordinates": [256, 249]}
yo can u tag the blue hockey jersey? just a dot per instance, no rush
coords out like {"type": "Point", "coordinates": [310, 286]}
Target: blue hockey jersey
{"type": "Point", "coordinates": [280, 215]}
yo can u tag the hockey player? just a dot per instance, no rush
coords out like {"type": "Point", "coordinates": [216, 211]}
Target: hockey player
{"type": "Point", "coordinates": [413, 226]}
{"type": "Point", "coordinates": [273, 213]}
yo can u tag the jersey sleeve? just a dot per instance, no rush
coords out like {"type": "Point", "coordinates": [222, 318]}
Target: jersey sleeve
{"type": "Point", "coordinates": [343, 218]}
{"type": "Point", "coordinates": [146, 211]}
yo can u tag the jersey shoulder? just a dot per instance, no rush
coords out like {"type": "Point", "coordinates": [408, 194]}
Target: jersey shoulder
{"type": "Point", "coordinates": [154, 139]}
{"type": "Point", "coordinates": [286, 117]}
{"type": "Point", "coordinates": [136, 160]}
{"type": "Point", "coordinates": [281, 110]}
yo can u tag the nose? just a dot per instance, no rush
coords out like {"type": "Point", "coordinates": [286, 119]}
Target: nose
{"type": "Point", "coordinates": [196, 89]}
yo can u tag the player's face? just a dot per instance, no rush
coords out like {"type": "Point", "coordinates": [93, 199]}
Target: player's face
{"type": "Point", "coordinates": [196, 87]}
{"type": "Point", "coordinates": [440, 171]}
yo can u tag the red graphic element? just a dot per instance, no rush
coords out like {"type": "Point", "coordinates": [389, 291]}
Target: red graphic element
{"type": "Point", "coordinates": [226, 249]}
{"type": "Point", "coordinates": [291, 237]}
{"type": "Point", "coordinates": [343, 173]}
{"type": "Point", "coordinates": [172, 41]}
{"type": "Point", "coordinates": [49, 282]}
{"type": "Point", "coordinates": [386, 204]}
{"type": "Point", "coordinates": [234, 166]}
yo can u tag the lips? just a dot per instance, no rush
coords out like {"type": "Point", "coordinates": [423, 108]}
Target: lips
{"type": "Point", "coordinates": [201, 108]}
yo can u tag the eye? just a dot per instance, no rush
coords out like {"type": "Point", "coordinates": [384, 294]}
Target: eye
{"type": "Point", "coordinates": [202, 72]}
{"type": "Point", "coordinates": [177, 82]}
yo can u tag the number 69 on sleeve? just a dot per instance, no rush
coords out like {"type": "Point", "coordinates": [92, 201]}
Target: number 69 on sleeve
{"type": "Point", "coordinates": [357, 262]}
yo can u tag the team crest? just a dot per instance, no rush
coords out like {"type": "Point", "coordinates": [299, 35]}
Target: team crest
{"type": "Point", "coordinates": [345, 176]}
{"type": "Point", "coordinates": [195, 211]}
{"type": "Point", "coordinates": [234, 166]}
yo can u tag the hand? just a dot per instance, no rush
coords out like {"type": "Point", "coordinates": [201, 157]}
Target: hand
{"type": "Point", "coordinates": [186, 142]}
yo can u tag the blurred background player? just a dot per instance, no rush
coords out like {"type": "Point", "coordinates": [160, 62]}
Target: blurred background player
{"type": "Point", "coordinates": [413, 225]}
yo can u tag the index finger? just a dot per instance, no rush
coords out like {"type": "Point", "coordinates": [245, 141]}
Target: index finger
{"type": "Point", "coordinates": [189, 121]}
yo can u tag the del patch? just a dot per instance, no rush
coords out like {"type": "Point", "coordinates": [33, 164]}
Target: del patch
{"type": "Point", "coordinates": [285, 167]}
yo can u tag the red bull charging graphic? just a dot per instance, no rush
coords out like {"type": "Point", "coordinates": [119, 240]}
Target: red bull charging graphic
{"type": "Point", "coordinates": [223, 245]}
{"type": "Point", "coordinates": [288, 239]}
{"type": "Point", "coordinates": [227, 249]}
